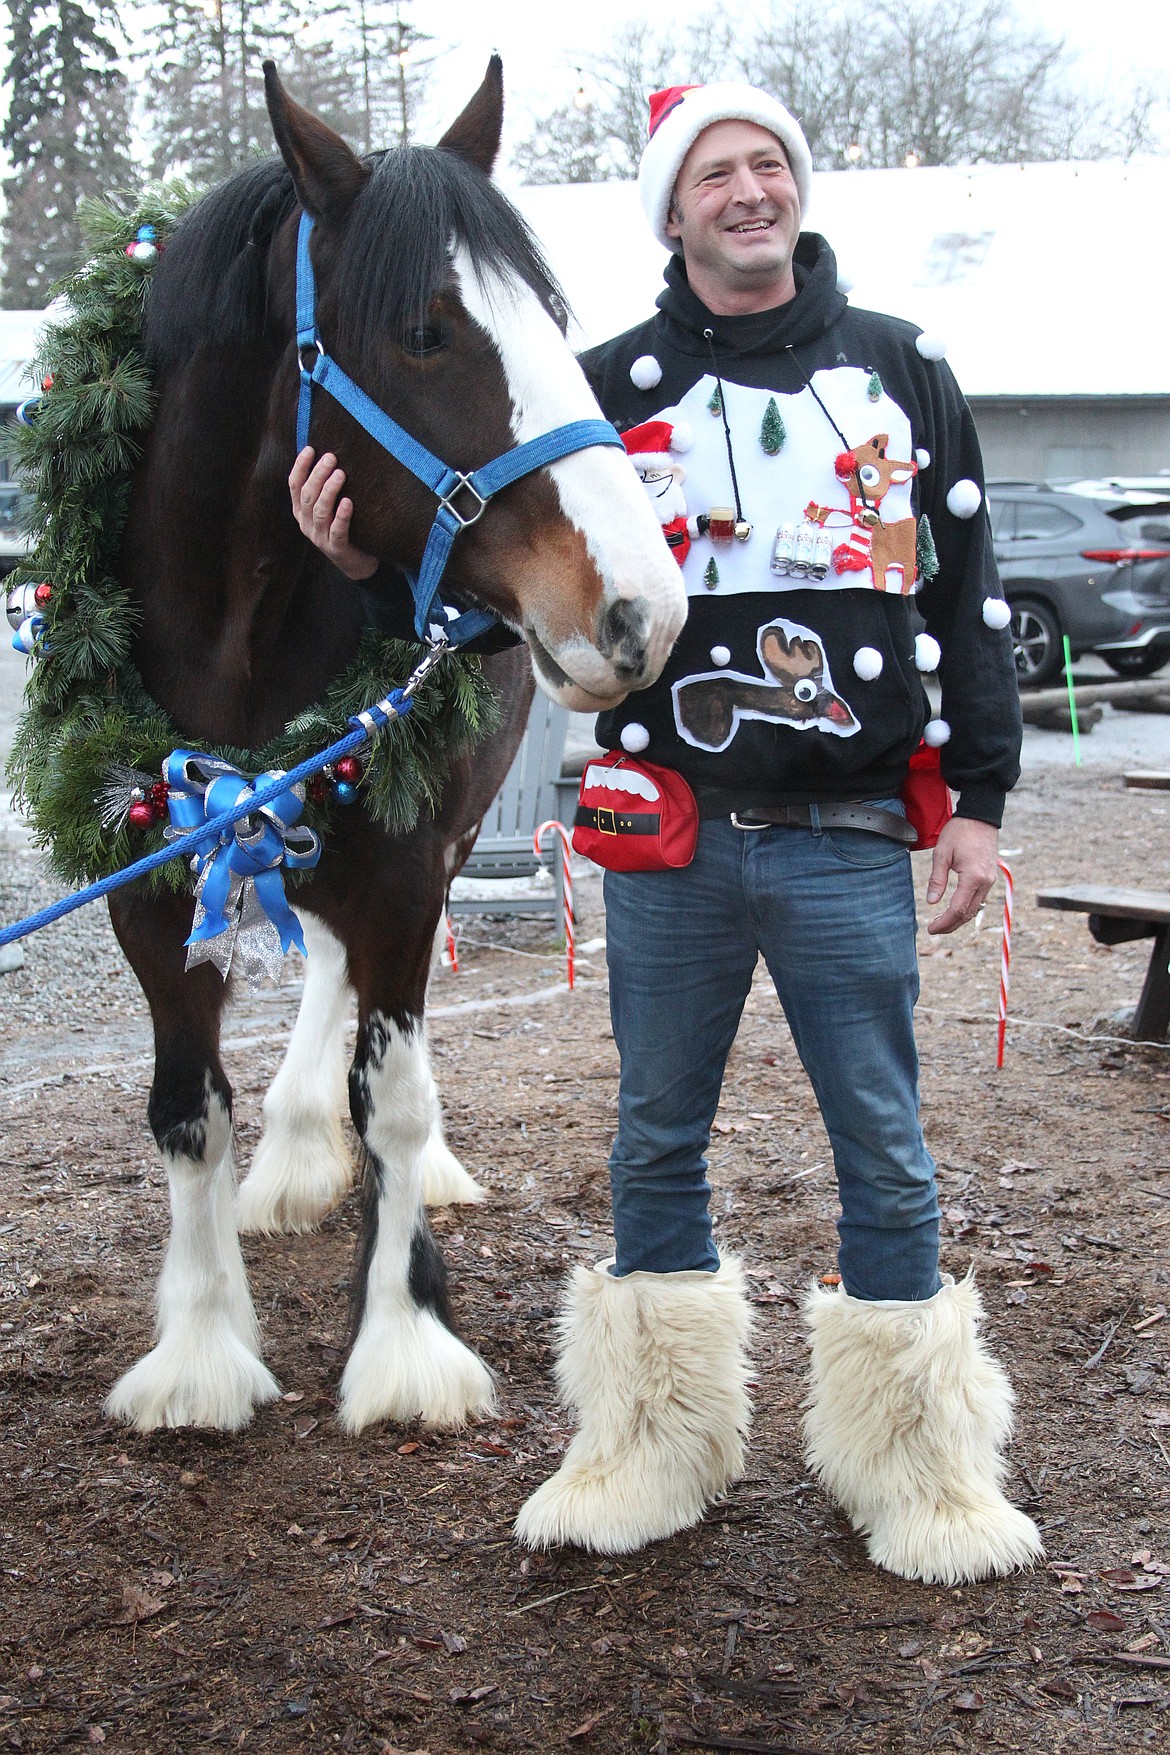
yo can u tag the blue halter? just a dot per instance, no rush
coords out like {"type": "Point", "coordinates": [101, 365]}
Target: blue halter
{"type": "Point", "coordinates": [476, 488]}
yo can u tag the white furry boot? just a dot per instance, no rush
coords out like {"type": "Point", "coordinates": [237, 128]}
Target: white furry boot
{"type": "Point", "coordinates": [905, 1425]}
{"type": "Point", "coordinates": [655, 1367]}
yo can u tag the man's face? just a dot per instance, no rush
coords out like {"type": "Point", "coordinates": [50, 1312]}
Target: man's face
{"type": "Point", "coordinates": [736, 211]}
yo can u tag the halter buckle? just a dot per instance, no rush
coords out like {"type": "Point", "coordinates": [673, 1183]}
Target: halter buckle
{"type": "Point", "coordinates": [306, 347]}
{"type": "Point", "coordinates": [446, 501]}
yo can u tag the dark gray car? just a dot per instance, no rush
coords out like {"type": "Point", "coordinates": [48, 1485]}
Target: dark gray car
{"type": "Point", "coordinates": [1094, 567]}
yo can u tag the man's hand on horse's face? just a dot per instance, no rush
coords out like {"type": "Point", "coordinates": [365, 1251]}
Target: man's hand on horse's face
{"type": "Point", "coordinates": [323, 516]}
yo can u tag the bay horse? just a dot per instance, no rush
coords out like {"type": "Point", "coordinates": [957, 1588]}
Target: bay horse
{"type": "Point", "coordinates": [434, 298]}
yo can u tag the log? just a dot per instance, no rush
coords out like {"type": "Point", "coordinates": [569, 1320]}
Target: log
{"type": "Point", "coordinates": [1056, 716]}
{"type": "Point", "coordinates": [1142, 697]}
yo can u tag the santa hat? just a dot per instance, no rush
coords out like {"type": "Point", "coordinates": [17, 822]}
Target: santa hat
{"type": "Point", "coordinates": [679, 115]}
{"type": "Point", "coordinates": [654, 441]}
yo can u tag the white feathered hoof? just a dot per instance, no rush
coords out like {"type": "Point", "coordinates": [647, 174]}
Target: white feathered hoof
{"type": "Point", "coordinates": [412, 1367]}
{"type": "Point", "coordinates": [906, 1422]}
{"type": "Point", "coordinates": [208, 1379]}
{"type": "Point", "coordinates": [445, 1181]}
{"type": "Point", "coordinates": [655, 1366]}
{"type": "Point", "coordinates": [299, 1174]}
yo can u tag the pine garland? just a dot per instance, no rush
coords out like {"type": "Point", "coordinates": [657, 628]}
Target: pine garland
{"type": "Point", "coordinates": [86, 708]}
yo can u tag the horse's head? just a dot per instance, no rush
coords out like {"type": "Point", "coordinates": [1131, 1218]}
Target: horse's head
{"type": "Point", "coordinates": [433, 297]}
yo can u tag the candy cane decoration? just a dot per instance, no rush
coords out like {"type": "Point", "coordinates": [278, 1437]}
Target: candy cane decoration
{"type": "Point", "coordinates": [452, 955]}
{"type": "Point", "coordinates": [566, 884]}
{"type": "Point", "coordinates": [1005, 957]}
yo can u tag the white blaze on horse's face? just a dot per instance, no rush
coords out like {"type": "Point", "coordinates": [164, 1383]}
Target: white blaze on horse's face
{"type": "Point", "coordinates": [601, 616]}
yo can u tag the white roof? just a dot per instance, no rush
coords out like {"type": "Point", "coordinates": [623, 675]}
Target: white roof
{"type": "Point", "coordinates": [19, 332]}
{"type": "Point", "coordinates": [1044, 280]}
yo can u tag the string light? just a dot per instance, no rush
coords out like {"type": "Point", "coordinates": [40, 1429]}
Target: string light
{"type": "Point", "coordinates": [911, 161]}
{"type": "Point", "coordinates": [854, 152]}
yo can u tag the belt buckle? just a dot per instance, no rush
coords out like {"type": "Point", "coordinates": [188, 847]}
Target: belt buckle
{"type": "Point", "coordinates": [606, 821]}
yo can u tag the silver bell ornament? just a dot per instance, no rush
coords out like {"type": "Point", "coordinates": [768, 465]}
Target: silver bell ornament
{"type": "Point", "coordinates": [26, 600]}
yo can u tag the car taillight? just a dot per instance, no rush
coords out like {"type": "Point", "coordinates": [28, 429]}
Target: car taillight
{"type": "Point", "coordinates": [1117, 557]}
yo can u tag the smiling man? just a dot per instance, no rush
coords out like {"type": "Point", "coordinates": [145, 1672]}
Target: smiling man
{"type": "Point", "coordinates": [831, 471]}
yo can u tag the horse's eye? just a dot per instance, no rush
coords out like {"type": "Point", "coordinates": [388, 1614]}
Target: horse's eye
{"type": "Point", "coordinates": [423, 338]}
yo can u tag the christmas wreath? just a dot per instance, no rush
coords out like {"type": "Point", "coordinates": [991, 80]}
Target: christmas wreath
{"type": "Point", "coordinates": [87, 715]}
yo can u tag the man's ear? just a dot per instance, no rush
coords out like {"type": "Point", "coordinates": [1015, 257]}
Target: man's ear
{"type": "Point", "coordinates": [475, 135]}
{"type": "Point", "coordinates": [326, 173]}
{"type": "Point", "coordinates": [673, 229]}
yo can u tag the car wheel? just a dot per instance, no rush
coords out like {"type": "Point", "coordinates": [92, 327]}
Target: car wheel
{"type": "Point", "coordinates": [1037, 643]}
{"type": "Point", "coordinates": [1135, 664]}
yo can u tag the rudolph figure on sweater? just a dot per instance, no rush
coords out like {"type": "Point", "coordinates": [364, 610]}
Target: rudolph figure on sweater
{"type": "Point", "coordinates": [886, 550]}
{"type": "Point", "coordinates": [797, 691]}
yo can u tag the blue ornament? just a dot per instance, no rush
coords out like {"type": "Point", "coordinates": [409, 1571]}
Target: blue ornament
{"type": "Point", "coordinates": [26, 412]}
{"type": "Point", "coordinates": [345, 793]}
{"type": "Point", "coordinates": [27, 638]}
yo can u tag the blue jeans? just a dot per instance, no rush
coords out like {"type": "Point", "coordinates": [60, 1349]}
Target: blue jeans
{"type": "Point", "coordinates": [832, 911]}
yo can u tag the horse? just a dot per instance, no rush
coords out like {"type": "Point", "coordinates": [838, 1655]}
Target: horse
{"type": "Point", "coordinates": [434, 297]}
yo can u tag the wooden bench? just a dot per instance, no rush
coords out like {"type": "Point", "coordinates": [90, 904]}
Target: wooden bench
{"type": "Point", "coordinates": [1115, 917]}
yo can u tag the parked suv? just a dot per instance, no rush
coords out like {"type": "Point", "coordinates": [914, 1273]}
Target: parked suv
{"type": "Point", "coordinates": [1091, 562]}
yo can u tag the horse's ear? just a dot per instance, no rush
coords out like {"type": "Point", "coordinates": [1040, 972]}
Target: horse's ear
{"type": "Point", "coordinates": [327, 174]}
{"type": "Point", "coordinates": [475, 135]}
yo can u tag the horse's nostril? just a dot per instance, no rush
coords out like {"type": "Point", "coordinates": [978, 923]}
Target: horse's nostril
{"type": "Point", "coordinates": [621, 635]}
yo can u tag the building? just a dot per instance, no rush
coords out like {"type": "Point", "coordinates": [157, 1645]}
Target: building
{"type": "Point", "coordinates": [1048, 283]}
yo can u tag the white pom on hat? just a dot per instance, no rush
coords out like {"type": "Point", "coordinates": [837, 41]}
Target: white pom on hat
{"type": "Point", "coordinates": [867, 662]}
{"type": "Point", "coordinates": [683, 434]}
{"type": "Point", "coordinates": [721, 655]}
{"type": "Point", "coordinates": [931, 347]}
{"type": "Point", "coordinates": [635, 737]}
{"type": "Point", "coordinates": [927, 652]}
{"type": "Point", "coordinates": [679, 115]}
{"type": "Point", "coordinates": [964, 499]}
{"type": "Point", "coordinates": [645, 372]}
{"type": "Point", "coordinates": [937, 733]}
{"type": "Point", "coordinates": [922, 457]}
{"type": "Point", "coordinates": [996, 612]}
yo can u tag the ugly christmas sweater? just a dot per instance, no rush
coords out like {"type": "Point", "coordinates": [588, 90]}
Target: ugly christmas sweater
{"type": "Point", "coordinates": [798, 675]}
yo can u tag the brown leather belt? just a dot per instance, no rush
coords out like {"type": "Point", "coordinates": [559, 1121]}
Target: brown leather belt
{"type": "Point", "coordinates": [830, 816]}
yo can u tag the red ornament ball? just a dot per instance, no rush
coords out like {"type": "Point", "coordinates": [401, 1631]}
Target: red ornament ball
{"type": "Point", "coordinates": [348, 768]}
{"type": "Point", "coordinates": [142, 815]}
{"type": "Point", "coordinates": [317, 790]}
{"type": "Point", "coordinates": [844, 465]}
{"type": "Point", "coordinates": [42, 594]}
{"type": "Point", "coordinates": [47, 381]}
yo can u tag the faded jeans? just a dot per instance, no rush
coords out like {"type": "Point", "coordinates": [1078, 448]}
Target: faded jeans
{"type": "Point", "coordinates": [832, 912]}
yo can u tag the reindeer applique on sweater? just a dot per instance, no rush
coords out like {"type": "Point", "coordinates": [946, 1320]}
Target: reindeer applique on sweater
{"type": "Point", "coordinates": [885, 550]}
{"type": "Point", "coordinates": [796, 690]}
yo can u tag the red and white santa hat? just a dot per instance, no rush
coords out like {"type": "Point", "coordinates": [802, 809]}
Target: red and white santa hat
{"type": "Point", "coordinates": [679, 115]}
{"type": "Point", "coordinates": [656, 443]}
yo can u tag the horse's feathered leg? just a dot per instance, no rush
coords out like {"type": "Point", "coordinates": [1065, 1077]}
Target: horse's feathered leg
{"type": "Point", "coordinates": [204, 1369]}
{"type": "Point", "coordinates": [406, 1363]}
{"type": "Point", "coordinates": [301, 1169]}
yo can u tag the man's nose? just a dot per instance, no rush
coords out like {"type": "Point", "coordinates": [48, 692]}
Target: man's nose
{"type": "Point", "coordinates": [746, 187]}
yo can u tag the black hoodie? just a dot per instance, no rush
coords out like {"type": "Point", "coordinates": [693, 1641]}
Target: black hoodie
{"type": "Point", "coordinates": [770, 694]}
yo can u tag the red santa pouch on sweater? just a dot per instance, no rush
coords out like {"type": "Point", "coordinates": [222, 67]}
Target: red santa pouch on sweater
{"type": "Point", "coordinates": [927, 797]}
{"type": "Point", "coordinates": [635, 816]}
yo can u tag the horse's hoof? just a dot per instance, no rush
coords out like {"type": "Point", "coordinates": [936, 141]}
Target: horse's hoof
{"type": "Point", "coordinates": [298, 1177]}
{"type": "Point", "coordinates": [413, 1368]}
{"type": "Point", "coordinates": [445, 1181]}
{"type": "Point", "coordinates": [215, 1382]}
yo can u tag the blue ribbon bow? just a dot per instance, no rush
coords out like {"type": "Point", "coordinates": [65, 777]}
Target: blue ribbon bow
{"type": "Point", "coordinates": [250, 853]}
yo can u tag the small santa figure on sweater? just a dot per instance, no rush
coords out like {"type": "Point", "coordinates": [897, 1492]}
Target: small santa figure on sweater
{"type": "Point", "coordinates": [652, 448]}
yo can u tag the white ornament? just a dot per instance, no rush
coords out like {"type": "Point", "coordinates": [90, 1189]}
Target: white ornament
{"type": "Point", "coordinates": [927, 652]}
{"type": "Point", "coordinates": [645, 372]}
{"type": "Point", "coordinates": [867, 662]}
{"type": "Point", "coordinates": [964, 499]}
{"type": "Point", "coordinates": [931, 347]}
{"type": "Point", "coordinates": [937, 733]}
{"type": "Point", "coordinates": [721, 655]}
{"type": "Point", "coordinates": [634, 738]}
{"type": "Point", "coordinates": [922, 457]}
{"type": "Point", "coordinates": [996, 613]}
{"type": "Point", "coordinates": [144, 251]}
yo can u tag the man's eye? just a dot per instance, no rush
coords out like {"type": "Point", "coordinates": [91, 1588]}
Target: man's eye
{"type": "Point", "coordinates": [423, 338]}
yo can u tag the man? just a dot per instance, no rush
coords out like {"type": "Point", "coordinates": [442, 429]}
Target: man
{"type": "Point", "coordinates": [832, 466]}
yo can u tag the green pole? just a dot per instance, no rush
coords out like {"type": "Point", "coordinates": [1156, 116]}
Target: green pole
{"type": "Point", "coordinates": [1072, 703]}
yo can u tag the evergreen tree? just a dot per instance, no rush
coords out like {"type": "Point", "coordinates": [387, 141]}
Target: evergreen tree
{"type": "Point", "coordinates": [203, 85]}
{"type": "Point", "coordinates": [926, 555]}
{"type": "Point", "coordinates": [711, 574]}
{"type": "Point", "coordinates": [772, 429]}
{"type": "Point", "coordinates": [66, 136]}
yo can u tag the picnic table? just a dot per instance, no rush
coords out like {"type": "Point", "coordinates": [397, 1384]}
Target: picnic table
{"type": "Point", "coordinates": [1117, 916]}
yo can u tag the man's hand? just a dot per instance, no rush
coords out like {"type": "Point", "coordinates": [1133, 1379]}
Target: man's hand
{"type": "Point", "coordinates": [968, 849]}
{"type": "Point", "coordinates": [324, 517]}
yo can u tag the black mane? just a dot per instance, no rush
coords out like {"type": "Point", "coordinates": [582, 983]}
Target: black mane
{"type": "Point", "coordinates": [211, 284]}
